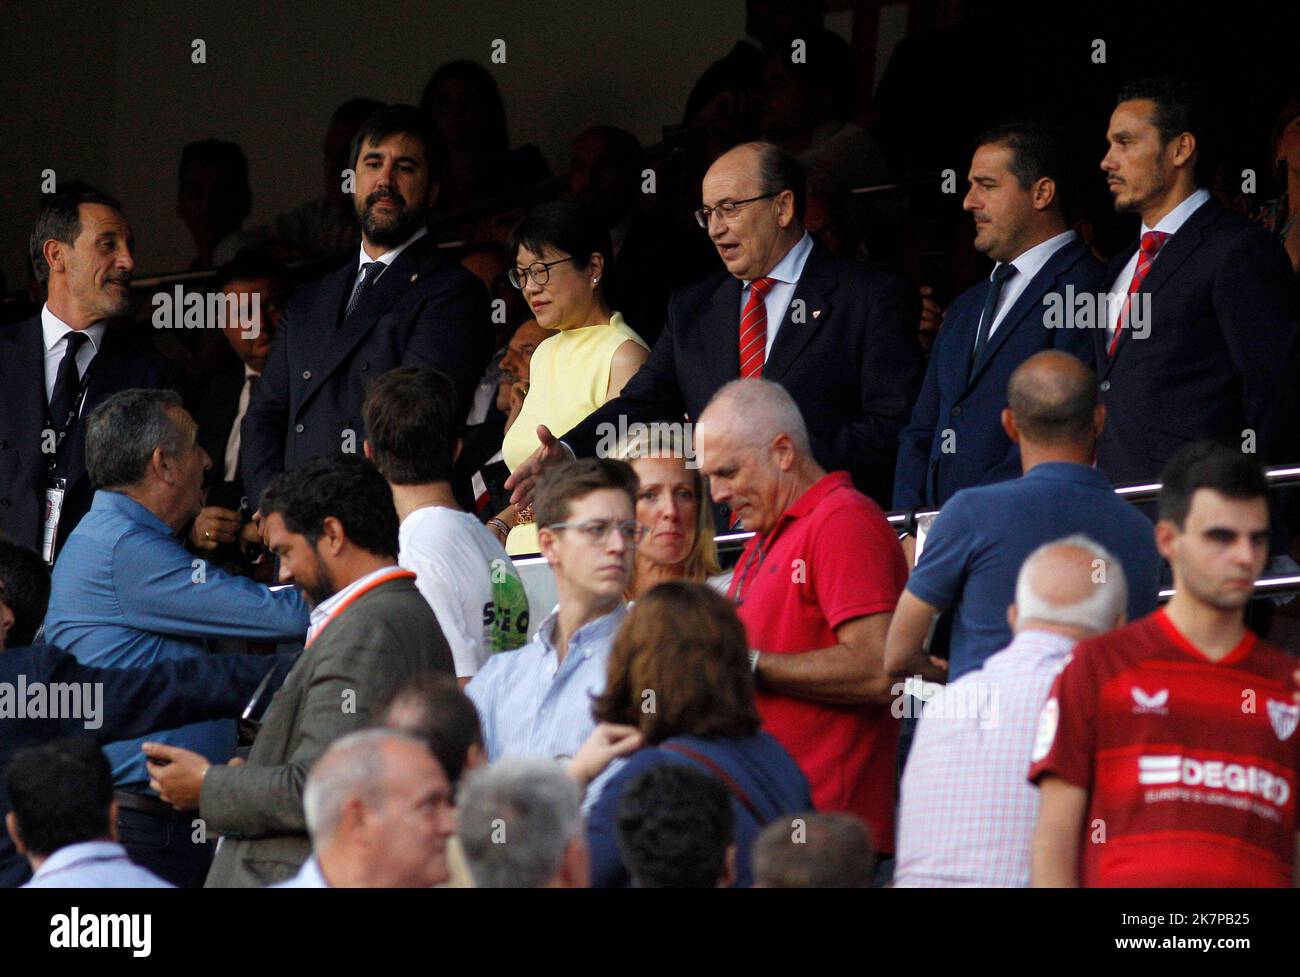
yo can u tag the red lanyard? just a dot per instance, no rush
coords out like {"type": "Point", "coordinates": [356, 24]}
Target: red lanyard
{"type": "Point", "coordinates": [392, 575]}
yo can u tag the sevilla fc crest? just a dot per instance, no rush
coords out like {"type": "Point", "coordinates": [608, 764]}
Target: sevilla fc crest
{"type": "Point", "coordinates": [1284, 718]}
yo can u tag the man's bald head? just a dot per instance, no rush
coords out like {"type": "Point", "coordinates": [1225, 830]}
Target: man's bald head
{"type": "Point", "coordinates": [1053, 397]}
{"type": "Point", "coordinates": [753, 413]}
{"type": "Point", "coordinates": [1071, 583]}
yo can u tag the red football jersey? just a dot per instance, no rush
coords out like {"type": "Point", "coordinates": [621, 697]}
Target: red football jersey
{"type": "Point", "coordinates": [1191, 764]}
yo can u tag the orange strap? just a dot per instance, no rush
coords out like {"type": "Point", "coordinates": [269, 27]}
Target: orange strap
{"type": "Point", "coordinates": [393, 575]}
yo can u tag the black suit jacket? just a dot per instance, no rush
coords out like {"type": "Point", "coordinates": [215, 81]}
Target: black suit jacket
{"type": "Point", "coordinates": [422, 311]}
{"type": "Point", "coordinates": [853, 365]}
{"type": "Point", "coordinates": [1219, 357]}
{"type": "Point", "coordinates": [969, 402]}
{"type": "Point", "coordinates": [121, 364]}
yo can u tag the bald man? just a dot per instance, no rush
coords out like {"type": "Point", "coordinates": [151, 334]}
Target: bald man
{"type": "Point", "coordinates": [380, 812]}
{"type": "Point", "coordinates": [839, 336]}
{"type": "Point", "coordinates": [815, 588]}
{"type": "Point", "coordinates": [982, 535]}
{"type": "Point", "coordinates": [967, 813]}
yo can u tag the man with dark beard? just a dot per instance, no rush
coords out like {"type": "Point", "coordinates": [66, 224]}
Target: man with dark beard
{"type": "Point", "coordinates": [398, 304]}
{"type": "Point", "coordinates": [332, 524]}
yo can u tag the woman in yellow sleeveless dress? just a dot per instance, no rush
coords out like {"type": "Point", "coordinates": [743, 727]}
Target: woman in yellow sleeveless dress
{"type": "Point", "coordinates": [562, 254]}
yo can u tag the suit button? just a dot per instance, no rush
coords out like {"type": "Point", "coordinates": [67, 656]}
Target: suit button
{"type": "Point", "coordinates": [4, 503]}
{"type": "Point", "coordinates": [3, 445]}
{"type": "Point", "coordinates": [365, 367]}
{"type": "Point", "coordinates": [298, 428]}
{"type": "Point", "coordinates": [956, 411]}
{"type": "Point", "coordinates": [306, 374]}
{"type": "Point", "coordinates": [1105, 385]}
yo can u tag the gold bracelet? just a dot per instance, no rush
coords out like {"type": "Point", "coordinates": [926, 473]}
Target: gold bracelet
{"type": "Point", "coordinates": [524, 516]}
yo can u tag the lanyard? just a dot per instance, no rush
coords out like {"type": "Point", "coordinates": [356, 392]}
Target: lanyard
{"type": "Point", "coordinates": [68, 423]}
{"type": "Point", "coordinates": [392, 575]}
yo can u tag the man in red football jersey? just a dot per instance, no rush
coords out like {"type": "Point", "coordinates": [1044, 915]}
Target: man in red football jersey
{"type": "Point", "coordinates": [1167, 749]}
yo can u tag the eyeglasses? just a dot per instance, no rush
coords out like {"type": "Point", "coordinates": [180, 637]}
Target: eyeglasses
{"type": "Point", "coordinates": [728, 208]}
{"type": "Point", "coordinates": [596, 531]}
{"type": "Point", "coordinates": [538, 271]}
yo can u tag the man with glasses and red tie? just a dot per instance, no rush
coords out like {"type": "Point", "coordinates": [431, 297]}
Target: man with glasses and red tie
{"type": "Point", "coordinates": [839, 336]}
{"type": "Point", "coordinates": [536, 700]}
{"type": "Point", "coordinates": [816, 589]}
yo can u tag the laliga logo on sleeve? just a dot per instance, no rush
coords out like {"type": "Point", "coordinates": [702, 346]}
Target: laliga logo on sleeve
{"type": "Point", "coordinates": [1284, 718]}
{"type": "Point", "coordinates": [1156, 705]}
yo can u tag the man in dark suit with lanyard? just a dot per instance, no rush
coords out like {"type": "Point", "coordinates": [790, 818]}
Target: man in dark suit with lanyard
{"type": "Point", "coordinates": [82, 247]}
{"type": "Point", "coordinates": [398, 303]}
{"type": "Point", "coordinates": [839, 336]}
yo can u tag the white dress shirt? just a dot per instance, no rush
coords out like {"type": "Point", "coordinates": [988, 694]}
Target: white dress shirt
{"type": "Point", "coordinates": [1169, 224]}
{"type": "Point", "coordinates": [55, 332]}
{"type": "Point", "coordinates": [93, 865]}
{"type": "Point", "coordinates": [232, 443]}
{"type": "Point", "coordinates": [787, 273]}
{"type": "Point", "coordinates": [387, 258]}
{"type": "Point", "coordinates": [322, 611]}
{"type": "Point", "coordinates": [1027, 264]}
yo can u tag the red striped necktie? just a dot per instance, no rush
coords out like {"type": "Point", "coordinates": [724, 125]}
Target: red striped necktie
{"type": "Point", "coordinates": [753, 329]}
{"type": "Point", "coordinates": [1150, 245]}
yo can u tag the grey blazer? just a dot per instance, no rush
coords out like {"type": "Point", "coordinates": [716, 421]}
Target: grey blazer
{"type": "Point", "coordinates": [383, 636]}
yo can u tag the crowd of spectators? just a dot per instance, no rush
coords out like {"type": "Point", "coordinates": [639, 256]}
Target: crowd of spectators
{"type": "Point", "coordinates": [269, 596]}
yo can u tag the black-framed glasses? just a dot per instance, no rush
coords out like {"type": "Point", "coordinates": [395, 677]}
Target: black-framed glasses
{"type": "Point", "coordinates": [596, 531]}
{"type": "Point", "coordinates": [727, 209]}
{"type": "Point", "coordinates": [538, 271]}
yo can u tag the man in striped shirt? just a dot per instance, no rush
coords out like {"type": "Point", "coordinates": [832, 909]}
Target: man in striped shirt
{"type": "Point", "coordinates": [967, 812]}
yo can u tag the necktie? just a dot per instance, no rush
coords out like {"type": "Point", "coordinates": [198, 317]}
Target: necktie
{"type": "Point", "coordinates": [63, 401]}
{"type": "Point", "coordinates": [753, 328]}
{"type": "Point", "coordinates": [369, 272]}
{"type": "Point", "coordinates": [1147, 250]}
{"type": "Point", "coordinates": [1000, 275]}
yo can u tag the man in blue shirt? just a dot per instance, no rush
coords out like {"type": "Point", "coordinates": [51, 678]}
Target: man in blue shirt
{"type": "Point", "coordinates": [126, 593]}
{"type": "Point", "coordinates": [536, 701]}
{"type": "Point", "coordinates": [980, 538]}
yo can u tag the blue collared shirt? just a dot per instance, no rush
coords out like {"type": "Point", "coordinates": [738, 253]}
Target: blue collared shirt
{"type": "Point", "coordinates": [127, 594]}
{"type": "Point", "coordinates": [308, 877]}
{"type": "Point", "coordinates": [531, 703]}
{"type": "Point", "coordinates": [93, 865]}
{"type": "Point", "coordinates": [982, 535]}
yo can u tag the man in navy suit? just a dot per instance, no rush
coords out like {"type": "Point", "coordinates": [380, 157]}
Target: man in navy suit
{"type": "Point", "coordinates": [956, 439]}
{"type": "Point", "coordinates": [1208, 339]}
{"type": "Point", "coordinates": [399, 303]}
{"type": "Point", "coordinates": [840, 337]}
{"type": "Point", "coordinates": [56, 367]}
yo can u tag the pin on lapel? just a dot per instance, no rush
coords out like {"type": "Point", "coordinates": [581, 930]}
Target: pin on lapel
{"type": "Point", "coordinates": [415, 276]}
{"type": "Point", "coordinates": [816, 313]}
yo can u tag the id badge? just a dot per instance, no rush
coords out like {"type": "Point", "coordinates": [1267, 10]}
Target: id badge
{"type": "Point", "coordinates": [50, 524]}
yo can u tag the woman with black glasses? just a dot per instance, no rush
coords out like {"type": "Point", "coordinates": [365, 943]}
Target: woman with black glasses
{"type": "Point", "coordinates": [562, 254]}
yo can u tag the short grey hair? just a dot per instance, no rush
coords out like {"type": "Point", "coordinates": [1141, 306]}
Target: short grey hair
{"type": "Point", "coordinates": [1096, 612]}
{"type": "Point", "coordinates": [352, 768]}
{"type": "Point", "coordinates": [762, 409]}
{"type": "Point", "coordinates": [517, 818]}
{"type": "Point", "coordinates": [123, 431]}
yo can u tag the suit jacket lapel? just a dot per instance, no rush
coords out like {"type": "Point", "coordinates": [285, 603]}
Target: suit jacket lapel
{"type": "Point", "coordinates": [1101, 335]}
{"type": "Point", "coordinates": [721, 338]}
{"type": "Point", "coordinates": [814, 285]}
{"type": "Point", "coordinates": [23, 376]}
{"type": "Point", "coordinates": [409, 267]}
{"type": "Point", "coordinates": [1029, 300]}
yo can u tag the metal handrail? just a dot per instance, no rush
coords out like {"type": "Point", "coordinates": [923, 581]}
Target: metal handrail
{"type": "Point", "coordinates": [1137, 492]}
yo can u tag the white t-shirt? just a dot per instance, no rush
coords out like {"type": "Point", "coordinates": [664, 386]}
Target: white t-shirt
{"type": "Point", "coordinates": [472, 585]}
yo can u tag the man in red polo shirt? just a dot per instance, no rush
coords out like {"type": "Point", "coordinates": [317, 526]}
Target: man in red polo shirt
{"type": "Point", "coordinates": [1167, 752]}
{"type": "Point", "coordinates": [816, 588]}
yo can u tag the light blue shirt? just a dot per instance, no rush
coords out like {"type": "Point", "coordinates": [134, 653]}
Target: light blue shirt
{"type": "Point", "coordinates": [93, 865]}
{"type": "Point", "coordinates": [127, 594]}
{"type": "Point", "coordinates": [787, 273]}
{"type": "Point", "coordinates": [531, 703]}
